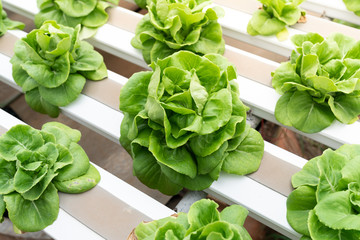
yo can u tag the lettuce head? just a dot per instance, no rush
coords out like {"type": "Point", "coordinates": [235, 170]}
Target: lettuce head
{"type": "Point", "coordinates": [51, 64]}
{"type": "Point", "coordinates": [34, 166]}
{"type": "Point", "coordinates": [274, 16]}
{"type": "Point", "coordinates": [320, 83]}
{"type": "Point", "coordinates": [172, 26]}
{"type": "Point", "coordinates": [326, 201]}
{"type": "Point", "coordinates": [184, 123]}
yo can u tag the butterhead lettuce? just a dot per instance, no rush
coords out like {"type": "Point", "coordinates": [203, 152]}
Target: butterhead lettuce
{"type": "Point", "coordinates": [274, 16]}
{"type": "Point", "coordinates": [34, 166]}
{"type": "Point", "coordinates": [203, 221]}
{"type": "Point", "coordinates": [320, 83]}
{"type": "Point", "coordinates": [184, 123]}
{"type": "Point", "coordinates": [90, 14]}
{"type": "Point", "coordinates": [325, 203]}
{"type": "Point", "coordinates": [51, 64]}
{"type": "Point", "coordinates": [6, 23]}
{"type": "Point", "coordinates": [171, 26]}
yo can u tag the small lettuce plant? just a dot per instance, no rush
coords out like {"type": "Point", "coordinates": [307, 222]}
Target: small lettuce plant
{"type": "Point", "coordinates": [34, 166]}
{"type": "Point", "coordinates": [203, 221]}
{"type": "Point", "coordinates": [171, 26]}
{"type": "Point", "coordinates": [184, 123]}
{"type": "Point", "coordinates": [6, 23]}
{"type": "Point", "coordinates": [274, 16]}
{"type": "Point", "coordinates": [320, 83]}
{"type": "Point", "coordinates": [90, 14]}
{"type": "Point", "coordinates": [51, 64]}
{"type": "Point", "coordinates": [326, 201]}
{"type": "Point", "coordinates": [353, 5]}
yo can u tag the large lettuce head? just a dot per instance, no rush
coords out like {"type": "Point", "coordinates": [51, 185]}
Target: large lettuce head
{"type": "Point", "coordinates": [172, 25]}
{"type": "Point", "coordinates": [353, 5]}
{"type": "Point", "coordinates": [319, 83]}
{"type": "Point", "coordinates": [203, 221]}
{"type": "Point", "coordinates": [51, 64]}
{"type": "Point", "coordinates": [184, 123]}
{"type": "Point", "coordinates": [90, 14]}
{"type": "Point", "coordinates": [34, 165]}
{"type": "Point", "coordinates": [274, 16]}
{"type": "Point", "coordinates": [326, 201]}
{"type": "Point", "coordinates": [6, 23]}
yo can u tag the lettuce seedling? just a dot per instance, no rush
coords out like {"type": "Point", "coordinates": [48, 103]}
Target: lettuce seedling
{"type": "Point", "coordinates": [274, 16]}
{"type": "Point", "coordinates": [171, 26]}
{"type": "Point", "coordinates": [184, 123]}
{"type": "Point", "coordinates": [320, 83]}
{"type": "Point", "coordinates": [90, 14]}
{"type": "Point", "coordinates": [51, 64]}
{"type": "Point", "coordinates": [326, 201]}
{"type": "Point", "coordinates": [6, 23]}
{"type": "Point", "coordinates": [203, 221]}
{"type": "Point", "coordinates": [353, 5]}
{"type": "Point", "coordinates": [34, 165]}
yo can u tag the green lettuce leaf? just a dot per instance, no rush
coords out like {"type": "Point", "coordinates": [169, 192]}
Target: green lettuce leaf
{"type": "Point", "coordinates": [335, 211]}
{"type": "Point", "coordinates": [79, 184]}
{"type": "Point", "coordinates": [32, 216]}
{"type": "Point", "coordinates": [319, 231]}
{"type": "Point", "coordinates": [7, 172]}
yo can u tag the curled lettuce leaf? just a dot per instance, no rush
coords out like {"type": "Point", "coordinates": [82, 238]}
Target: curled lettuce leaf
{"type": "Point", "coordinates": [353, 5]}
{"type": "Point", "coordinates": [320, 83]}
{"type": "Point", "coordinates": [51, 64]}
{"type": "Point", "coordinates": [171, 26]}
{"type": "Point", "coordinates": [34, 166]}
{"type": "Point", "coordinates": [184, 123]}
{"type": "Point", "coordinates": [6, 23]}
{"type": "Point", "coordinates": [203, 221]}
{"type": "Point", "coordinates": [325, 203]}
{"type": "Point", "coordinates": [90, 14]}
{"type": "Point", "coordinates": [274, 16]}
